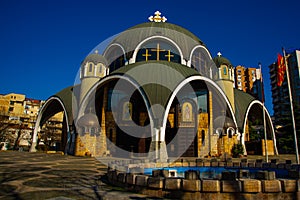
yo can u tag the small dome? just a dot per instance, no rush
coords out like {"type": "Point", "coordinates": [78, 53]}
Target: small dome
{"type": "Point", "coordinates": [88, 120]}
{"type": "Point", "coordinates": [220, 60]}
{"type": "Point", "coordinates": [95, 58]}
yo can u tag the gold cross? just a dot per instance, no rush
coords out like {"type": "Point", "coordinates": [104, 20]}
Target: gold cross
{"type": "Point", "coordinates": [169, 55]}
{"type": "Point", "coordinates": [157, 51]}
{"type": "Point", "coordinates": [146, 55]}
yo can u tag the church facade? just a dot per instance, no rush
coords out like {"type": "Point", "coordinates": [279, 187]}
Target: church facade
{"type": "Point", "coordinates": [154, 91]}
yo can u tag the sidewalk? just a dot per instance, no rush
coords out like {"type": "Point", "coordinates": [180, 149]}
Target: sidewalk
{"type": "Point", "coordinates": [25, 175]}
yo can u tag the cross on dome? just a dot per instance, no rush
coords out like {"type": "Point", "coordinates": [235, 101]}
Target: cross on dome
{"type": "Point", "coordinates": [157, 17]}
{"type": "Point", "coordinates": [219, 54]}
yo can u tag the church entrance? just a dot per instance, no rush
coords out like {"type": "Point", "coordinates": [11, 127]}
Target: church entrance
{"type": "Point", "coordinates": [184, 118]}
{"type": "Point", "coordinates": [127, 124]}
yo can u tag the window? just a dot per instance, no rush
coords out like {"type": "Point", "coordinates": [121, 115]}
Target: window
{"type": "Point", "coordinates": [90, 67]}
{"type": "Point", "coordinates": [115, 57]}
{"type": "Point", "coordinates": [225, 70]}
{"type": "Point", "coordinates": [100, 68]}
{"type": "Point", "coordinates": [203, 137]}
{"type": "Point", "coordinates": [158, 50]}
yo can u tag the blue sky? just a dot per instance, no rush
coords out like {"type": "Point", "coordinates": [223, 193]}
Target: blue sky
{"type": "Point", "coordinates": [42, 42]}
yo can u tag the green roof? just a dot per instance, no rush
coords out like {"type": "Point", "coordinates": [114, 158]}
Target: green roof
{"type": "Point", "coordinates": [68, 99]}
{"type": "Point", "coordinates": [220, 60]}
{"type": "Point", "coordinates": [133, 36]}
{"type": "Point", "coordinates": [242, 101]}
{"type": "Point", "coordinates": [168, 26]}
{"type": "Point", "coordinates": [94, 58]}
{"type": "Point", "coordinates": [158, 79]}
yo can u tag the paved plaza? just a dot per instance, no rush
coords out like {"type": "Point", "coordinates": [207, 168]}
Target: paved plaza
{"type": "Point", "coordinates": [26, 175]}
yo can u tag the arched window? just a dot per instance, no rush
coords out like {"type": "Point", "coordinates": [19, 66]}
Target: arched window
{"type": "Point", "coordinates": [203, 137]}
{"type": "Point", "coordinates": [201, 61]}
{"type": "Point", "coordinates": [90, 67]}
{"type": "Point", "coordinates": [158, 49]}
{"type": "Point", "coordinates": [100, 68]}
{"type": "Point", "coordinates": [230, 132]}
{"type": "Point", "coordinates": [115, 57]}
{"type": "Point", "coordinates": [224, 70]}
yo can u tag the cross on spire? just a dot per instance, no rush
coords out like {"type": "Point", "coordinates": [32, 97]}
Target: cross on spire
{"type": "Point", "coordinates": [157, 17]}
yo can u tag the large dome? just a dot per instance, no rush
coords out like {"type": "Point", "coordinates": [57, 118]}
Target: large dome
{"type": "Point", "coordinates": [130, 39]}
{"type": "Point", "coordinates": [158, 42]}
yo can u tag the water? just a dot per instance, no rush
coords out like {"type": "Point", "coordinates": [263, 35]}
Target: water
{"type": "Point", "coordinates": [216, 172]}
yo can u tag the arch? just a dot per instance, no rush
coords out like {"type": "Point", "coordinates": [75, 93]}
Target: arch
{"type": "Point", "coordinates": [84, 102]}
{"type": "Point", "coordinates": [268, 117]}
{"type": "Point", "coordinates": [185, 82]}
{"type": "Point", "coordinates": [39, 119]}
{"type": "Point", "coordinates": [115, 44]}
{"type": "Point", "coordinates": [133, 59]}
{"type": "Point", "coordinates": [230, 132]}
{"type": "Point", "coordinates": [189, 64]}
{"type": "Point", "coordinates": [107, 50]}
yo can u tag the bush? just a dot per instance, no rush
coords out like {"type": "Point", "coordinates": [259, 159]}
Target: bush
{"type": "Point", "coordinates": [237, 150]}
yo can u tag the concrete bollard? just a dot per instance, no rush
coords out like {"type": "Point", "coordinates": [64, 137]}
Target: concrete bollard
{"type": "Point", "coordinates": [191, 185]}
{"type": "Point", "coordinates": [121, 178]}
{"type": "Point", "coordinates": [156, 182]}
{"type": "Point", "coordinates": [160, 173]}
{"type": "Point", "coordinates": [231, 186]}
{"type": "Point", "coordinates": [130, 179]}
{"type": "Point", "coordinates": [211, 186]}
{"type": "Point", "coordinates": [244, 174]}
{"type": "Point", "coordinates": [265, 175]}
{"type": "Point", "coordinates": [288, 185]}
{"type": "Point", "coordinates": [229, 175]}
{"type": "Point", "coordinates": [294, 174]}
{"type": "Point", "coordinates": [271, 186]}
{"type": "Point", "coordinates": [172, 183]}
{"type": "Point", "coordinates": [192, 175]}
{"type": "Point", "coordinates": [251, 186]}
{"type": "Point", "coordinates": [141, 180]}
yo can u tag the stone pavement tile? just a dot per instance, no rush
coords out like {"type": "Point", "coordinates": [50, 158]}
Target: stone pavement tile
{"type": "Point", "coordinates": [25, 175]}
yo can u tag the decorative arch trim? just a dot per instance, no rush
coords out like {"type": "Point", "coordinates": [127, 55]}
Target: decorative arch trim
{"type": "Point", "coordinates": [194, 49]}
{"type": "Point", "coordinates": [115, 44]}
{"type": "Point", "coordinates": [269, 118]}
{"type": "Point", "coordinates": [38, 121]}
{"type": "Point", "coordinates": [185, 82]}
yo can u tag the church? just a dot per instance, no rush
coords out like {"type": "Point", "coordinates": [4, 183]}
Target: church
{"type": "Point", "coordinates": [154, 91]}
